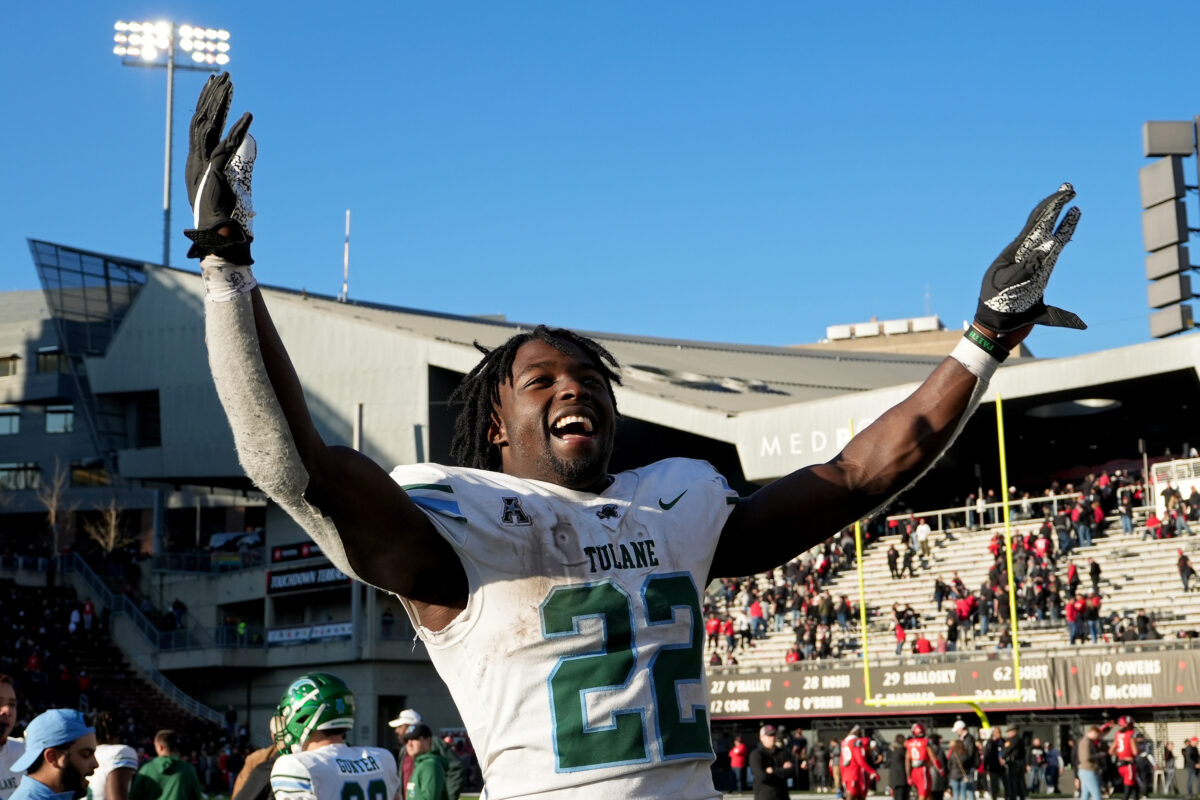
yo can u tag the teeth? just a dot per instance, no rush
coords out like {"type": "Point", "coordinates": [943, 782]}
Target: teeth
{"type": "Point", "coordinates": [565, 421]}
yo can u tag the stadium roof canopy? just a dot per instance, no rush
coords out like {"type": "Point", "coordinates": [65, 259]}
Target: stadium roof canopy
{"type": "Point", "coordinates": [756, 411]}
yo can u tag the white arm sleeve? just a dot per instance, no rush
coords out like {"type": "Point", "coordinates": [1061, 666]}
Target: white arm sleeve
{"type": "Point", "coordinates": [264, 442]}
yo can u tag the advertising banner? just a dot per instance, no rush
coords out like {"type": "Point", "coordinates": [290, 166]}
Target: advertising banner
{"type": "Point", "coordinates": [1151, 678]}
{"type": "Point", "coordinates": [299, 634]}
{"type": "Point", "coordinates": [293, 580]}
{"type": "Point", "coordinates": [295, 551]}
{"type": "Point", "coordinates": [911, 688]}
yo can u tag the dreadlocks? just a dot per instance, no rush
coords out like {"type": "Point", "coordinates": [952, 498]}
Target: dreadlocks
{"type": "Point", "coordinates": [479, 392]}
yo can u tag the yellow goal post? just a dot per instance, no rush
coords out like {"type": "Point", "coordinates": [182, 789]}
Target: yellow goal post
{"type": "Point", "coordinates": [975, 702]}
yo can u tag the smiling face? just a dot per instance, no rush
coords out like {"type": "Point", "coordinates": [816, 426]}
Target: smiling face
{"type": "Point", "coordinates": [556, 421]}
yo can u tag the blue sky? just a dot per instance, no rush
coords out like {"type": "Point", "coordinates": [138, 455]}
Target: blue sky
{"type": "Point", "coordinates": [746, 172]}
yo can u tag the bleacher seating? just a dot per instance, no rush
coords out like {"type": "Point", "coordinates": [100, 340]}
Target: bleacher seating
{"type": "Point", "coordinates": [36, 621]}
{"type": "Point", "coordinates": [1136, 574]}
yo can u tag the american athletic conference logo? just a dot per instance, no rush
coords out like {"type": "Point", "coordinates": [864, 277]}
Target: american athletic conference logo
{"type": "Point", "coordinates": [513, 513]}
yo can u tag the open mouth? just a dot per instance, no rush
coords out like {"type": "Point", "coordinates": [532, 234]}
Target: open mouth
{"type": "Point", "coordinates": [573, 427]}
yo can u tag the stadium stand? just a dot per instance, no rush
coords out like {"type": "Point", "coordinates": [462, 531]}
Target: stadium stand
{"type": "Point", "coordinates": [60, 658]}
{"type": "Point", "coordinates": [1139, 578]}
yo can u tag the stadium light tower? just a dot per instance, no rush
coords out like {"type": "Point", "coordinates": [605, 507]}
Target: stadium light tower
{"type": "Point", "coordinates": [1165, 225]}
{"type": "Point", "coordinates": [157, 44]}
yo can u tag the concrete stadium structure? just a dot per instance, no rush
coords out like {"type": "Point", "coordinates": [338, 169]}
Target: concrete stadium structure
{"type": "Point", "coordinates": [121, 343]}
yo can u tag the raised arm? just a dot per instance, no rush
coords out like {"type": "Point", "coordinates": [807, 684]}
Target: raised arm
{"type": "Point", "coordinates": [350, 506]}
{"type": "Point", "coordinates": [808, 506]}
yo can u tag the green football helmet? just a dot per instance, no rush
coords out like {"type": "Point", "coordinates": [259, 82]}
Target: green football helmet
{"type": "Point", "coordinates": [314, 702]}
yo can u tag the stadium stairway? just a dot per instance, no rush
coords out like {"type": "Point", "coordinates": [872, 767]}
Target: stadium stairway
{"type": "Point", "coordinates": [116, 685]}
{"type": "Point", "coordinates": [120, 689]}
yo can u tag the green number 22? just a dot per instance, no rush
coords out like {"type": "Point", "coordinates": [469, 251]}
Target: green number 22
{"type": "Point", "coordinates": [376, 790]}
{"type": "Point", "coordinates": [611, 666]}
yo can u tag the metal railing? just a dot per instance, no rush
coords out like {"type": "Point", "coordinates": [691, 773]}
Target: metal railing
{"type": "Point", "coordinates": [25, 563]}
{"type": "Point", "coordinates": [194, 637]}
{"type": "Point", "coordinates": [211, 561]}
{"type": "Point", "coordinates": [239, 637]}
{"type": "Point", "coordinates": [186, 701]}
{"type": "Point", "coordinates": [175, 694]}
{"type": "Point", "coordinates": [962, 516]}
{"type": "Point", "coordinates": [959, 656]}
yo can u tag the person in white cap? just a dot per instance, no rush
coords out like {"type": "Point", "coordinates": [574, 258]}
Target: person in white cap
{"type": "Point", "coordinates": [60, 752]}
{"type": "Point", "coordinates": [455, 770]}
{"type": "Point", "coordinates": [962, 762]}
{"type": "Point", "coordinates": [11, 748]}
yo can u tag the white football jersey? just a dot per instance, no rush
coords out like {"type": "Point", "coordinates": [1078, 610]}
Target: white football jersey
{"type": "Point", "coordinates": [109, 757]}
{"type": "Point", "coordinates": [336, 772]}
{"type": "Point", "coordinates": [10, 751]}
{"type": "Point", "coordinates": [577, 664]}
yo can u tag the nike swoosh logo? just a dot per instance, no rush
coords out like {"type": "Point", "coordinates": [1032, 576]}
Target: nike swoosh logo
{"type": "Point", "coordinates": [670, 505]}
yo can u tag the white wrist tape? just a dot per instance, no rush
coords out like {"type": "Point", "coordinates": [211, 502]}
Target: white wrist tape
{"type": "Point", "coordinates": [224, 281]}
{"type": "Point", "coordinates": [978, 363]}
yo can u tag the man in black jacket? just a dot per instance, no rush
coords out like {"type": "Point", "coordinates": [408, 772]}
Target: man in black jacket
{"type": "Point", "coordinates": [768, 767]}
{"type": "Point", "coordinates": [993, 764]}
{"type": "Point", "coordinates": [1191, 765]}
{"type": "Point", "coordinates": [1014, 766]}
{"type": "Point", "coordinates": [896, 771]}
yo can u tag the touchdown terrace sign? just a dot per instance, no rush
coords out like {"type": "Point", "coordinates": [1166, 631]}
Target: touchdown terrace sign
{"type": "Point", "coordinates": [305, 579]}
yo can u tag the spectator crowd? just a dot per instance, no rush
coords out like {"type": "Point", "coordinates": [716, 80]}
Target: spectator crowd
{"type": "Point", "coordinates": [1052, 585]}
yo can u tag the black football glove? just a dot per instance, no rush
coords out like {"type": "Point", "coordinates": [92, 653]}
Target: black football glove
{"type": "Point", "coordinates": [1013, 288]}
{"type": "Point", "coordinates": [218, 176]}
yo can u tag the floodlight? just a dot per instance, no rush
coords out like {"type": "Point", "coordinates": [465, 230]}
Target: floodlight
{"type": "Point", "coordinates": [1164, 225]}
{"type": "Point", "coordinates": [1165, 229]}
{"type": "Point", "coordinates": [1171, 320]}
{"type": "Point", "coordinates": [155, 44]}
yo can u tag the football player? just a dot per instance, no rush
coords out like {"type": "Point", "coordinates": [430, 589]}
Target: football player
{"type": "Point", "coordinates": [309, 728]}
{"type": "Point", "coordinates": [117, 763]}
{"type": "Point", "coordinates": [1124, 753]}
{"type": "Point", "coordinates": [920, 763]}
{"type": "Point", "coordinates": [857, 772]}
{"type": "Point", "coordinates": [560, 603]}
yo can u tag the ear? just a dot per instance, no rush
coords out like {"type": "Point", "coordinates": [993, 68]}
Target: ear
{"type": "Point", "coordinates": [56, 756]}
{"type": "Point", "coordinates": [497, 431]}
